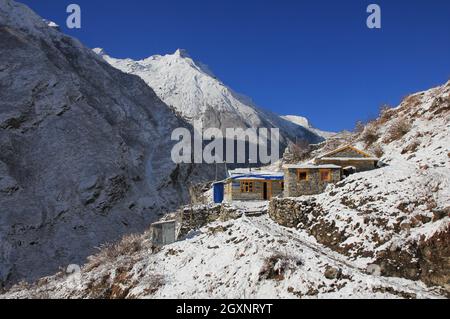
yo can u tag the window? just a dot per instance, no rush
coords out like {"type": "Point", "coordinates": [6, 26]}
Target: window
{"type": "Point", "coordinates": [302, 175]}
{"type": "Point", "coordinates": [325, 175]}
{"type": "Point", "coordinates": [246, 187]}
{"type": "Point", "coordinates": [282, 186]}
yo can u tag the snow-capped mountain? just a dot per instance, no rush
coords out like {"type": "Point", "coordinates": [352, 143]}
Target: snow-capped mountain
{"type": "Point", "coordinates": [196, 93]}
{"type": "Point", "coordinates": [304, 122]}
{"type": "Point", "coordinates": [84, 149]}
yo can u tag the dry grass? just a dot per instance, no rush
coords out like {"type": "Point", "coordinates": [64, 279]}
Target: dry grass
{"type": "Point", "coordinates": [156, 282]}
{"type": "Point", "coordinates": [410, 101]}
{"type": "Point", "coordinates": [397, 130]}
{"type": "Point", "coordinates": [412, 147]}
{"type": "Point", "coordinates": [119, 286]}
{"type": "Point", "coordinates": [370, 134]}
{"type": "Point", "coordinates": [377, 150]}
{"type": "Point", "coordinates": [108, 253]}
{"type": "Point", "coordinates": [359, 128]}
{"type": "Point", "coordinates": [277, 265]}
{"type": "Point", "coordinates": [386, 112]}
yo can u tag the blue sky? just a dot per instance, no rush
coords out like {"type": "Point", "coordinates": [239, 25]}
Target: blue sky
{"type": "Point", "coordinates": [311, 58]}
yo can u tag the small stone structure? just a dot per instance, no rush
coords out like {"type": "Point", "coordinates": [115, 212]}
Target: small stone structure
{"type": "Point", "coordinates": [163, 233]}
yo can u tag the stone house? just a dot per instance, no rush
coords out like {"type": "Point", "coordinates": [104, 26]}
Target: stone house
{"type": "Point", "coordinates": [309, 179]}
{"type": "Point", "coordinates": [313, 178]}
{"type": "Point", "coordinates": [349, 158]}
{"type": "Point", "coordinates": [246, 185]}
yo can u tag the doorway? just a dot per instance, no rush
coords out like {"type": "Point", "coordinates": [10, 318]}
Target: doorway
{"type": "Point", "coordinates": [266, 195]}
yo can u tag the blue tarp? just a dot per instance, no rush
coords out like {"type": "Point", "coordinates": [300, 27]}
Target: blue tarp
{"type": "Point", "coordinates": [218, 192]}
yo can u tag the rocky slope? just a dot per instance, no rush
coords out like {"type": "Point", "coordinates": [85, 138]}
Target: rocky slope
{"type": "Point", "coordinates": [250, 257]}
{"type": "Point", "coordinates": [196, 93]}
{"type": "Point", "coordinates": [84, 149]}
{"type": "Point", "coordinates": [396, 217]}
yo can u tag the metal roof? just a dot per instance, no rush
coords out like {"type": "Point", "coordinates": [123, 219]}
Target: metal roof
{"type": "Point", "coordinates": [269, 177]}
{"type": "Point", "coordinates": [312, 166]}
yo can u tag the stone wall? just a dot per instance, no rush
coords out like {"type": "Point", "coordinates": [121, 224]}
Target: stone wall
{"type": "Point", "coordinates": [191, 218]}
{"type": "Point", "coordinates": [290, 212]}
{"type": "Point", "coordinates": [307, 214]}
{"type": "Point", "coordinates": [425, 259]}
{"type": "Point", "coordinates": [314, 185]}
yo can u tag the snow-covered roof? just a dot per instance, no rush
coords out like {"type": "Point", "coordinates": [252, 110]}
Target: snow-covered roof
{"type": "Point", "coordinates": [311, 166]}
{"type": "Point", "coordinates": [342, 148]}
{"type": "Point", "coordinates": [348, 159]}
{"type": "Point", "coordinates": [253, 171]}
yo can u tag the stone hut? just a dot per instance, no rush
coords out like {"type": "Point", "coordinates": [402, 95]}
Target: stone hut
{"type": "Point", "coordinates": [349, 158]}
{"type": "Point", "coordinates": [329, 168]}
{"type": "Point", "coordinates": [309, 179]}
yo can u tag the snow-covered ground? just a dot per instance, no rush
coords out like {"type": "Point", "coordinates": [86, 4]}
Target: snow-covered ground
{"type": "Point", "coordinates": [251, 257]}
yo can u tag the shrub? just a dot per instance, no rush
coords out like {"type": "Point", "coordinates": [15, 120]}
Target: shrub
{"type": "Point", "coordinates": [156, 281]}
{"type": "Point", "coordinates": [359, 128]}
{"type": "Point", "coordinates": [397, 130]}
{"type": "Point", "coordinates": [127, 246]}
{"type": "Point", "coordinates": [411, 101]}
{"type": "Point", "coordinates": [412, 147]}
{"type": "Point", "coordinates": [370, 134]}
{"type": "Point", "coordinates": [385, 114]}
{"type": "Point", "coordinates": [377, 150]}
{"type": "Point", "coordinates": [277, 265]}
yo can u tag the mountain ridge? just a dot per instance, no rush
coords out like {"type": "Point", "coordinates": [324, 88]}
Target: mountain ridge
{"type": "Point", "coordinates": [197, 94]}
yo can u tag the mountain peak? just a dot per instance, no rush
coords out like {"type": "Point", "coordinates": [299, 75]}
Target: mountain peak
{"type": "Point", "coordinates": [182, 53]}
{"type": "Point", "coordinates": [100, 51]}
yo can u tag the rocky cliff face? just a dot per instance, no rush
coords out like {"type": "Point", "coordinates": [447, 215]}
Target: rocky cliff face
{"type": "Point", "coordinates": [84, 150]}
